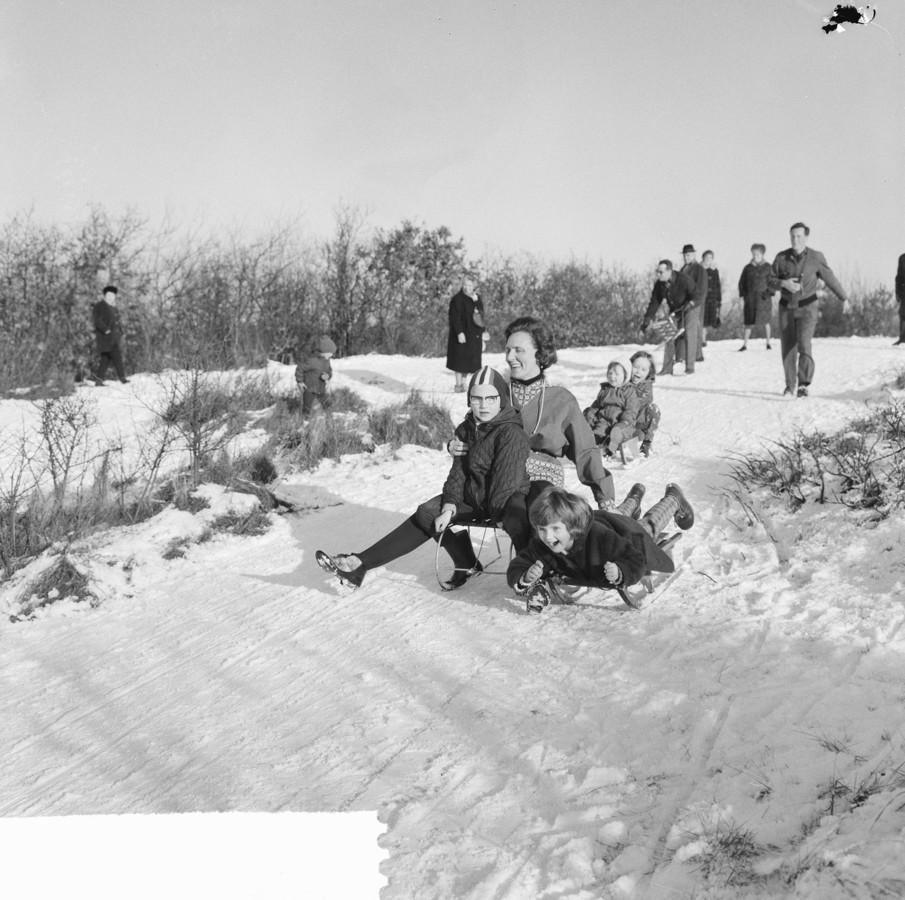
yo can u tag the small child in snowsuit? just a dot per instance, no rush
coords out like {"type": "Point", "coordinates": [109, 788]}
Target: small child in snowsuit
{"type": "Point", "coordinates": [598, 548]}
{"type": "Point", "coordinates": [613, 414]}
{"type": "Point", "coordinates": [313, 374]}
{"type": "Point", "coordinates": [489, 481]}
{"type": "Point", "coordinates": [644, 372]}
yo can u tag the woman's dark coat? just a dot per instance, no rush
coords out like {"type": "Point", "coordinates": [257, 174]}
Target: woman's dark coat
{"type": "Point", "coordinates": [465, 357]}
{"type": "Point", "coordinates": [714, 298]}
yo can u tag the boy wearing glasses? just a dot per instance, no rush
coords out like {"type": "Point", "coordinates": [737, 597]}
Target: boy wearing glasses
{"type": "Point", "coordinates": [483, 483]}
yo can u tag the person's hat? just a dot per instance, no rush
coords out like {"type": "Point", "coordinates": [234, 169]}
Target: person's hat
{"type": "Point", "coordinates": [689, 248]}
{"type": "Point", "coordinates": [487, 375]}
{"type": "Point", "coordinates": [109, 289]}
{"type": "Point", "coordinates": [325, 345]}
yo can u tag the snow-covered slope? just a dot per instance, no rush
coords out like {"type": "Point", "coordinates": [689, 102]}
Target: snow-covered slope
{"type": "Point", "coordinates": [698, 747]}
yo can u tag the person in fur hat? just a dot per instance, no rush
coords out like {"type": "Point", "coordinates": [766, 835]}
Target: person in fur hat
{"type": "Point", "coordinates": [488, 481]}
{"type": "Point", "coordinates": [644, 372]}
{"type": "Point", "coordinates": [613, 414]}
{"type": "Point", "coordinates": [312, 375]}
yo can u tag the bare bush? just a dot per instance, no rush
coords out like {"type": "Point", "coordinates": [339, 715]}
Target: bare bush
{"type": "Point", "coordinates": [199, 408]}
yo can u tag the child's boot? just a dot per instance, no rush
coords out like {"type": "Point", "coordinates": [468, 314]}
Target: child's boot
{"type": "Point", "coordinates": [458, 545]}
{"type": "Point", "coordinates": [671, 507]}
{"type": "Point", "coordinates": [684, 514]}
{"type": "Point", "coordinates": [645, 448]}
{"type": "Point", "coordinates": [631, 505]}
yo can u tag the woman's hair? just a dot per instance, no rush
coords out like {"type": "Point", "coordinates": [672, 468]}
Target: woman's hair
{"type": "Point", "coordinates": [557, 505]}
{"type": "Point", "coordinates": [541, 337]}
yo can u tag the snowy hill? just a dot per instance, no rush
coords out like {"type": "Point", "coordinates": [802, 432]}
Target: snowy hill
{"type": "Point", "coordinates": [740, 736]}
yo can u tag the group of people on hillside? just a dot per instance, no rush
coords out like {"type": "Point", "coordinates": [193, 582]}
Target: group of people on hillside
{"type": "Point", "coordinates": [508, 451]}
{"type": "Point", "coordinates": [507, 469]}
{"type": "Point", "coordinates": [692, 299]}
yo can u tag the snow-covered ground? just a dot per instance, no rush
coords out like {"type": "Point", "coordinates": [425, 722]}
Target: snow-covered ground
{"type": "Point", "coordinates": [699, 747]}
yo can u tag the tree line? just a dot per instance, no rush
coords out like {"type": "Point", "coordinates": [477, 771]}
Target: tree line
{"type": "Point", "coordinates": [235, 299]}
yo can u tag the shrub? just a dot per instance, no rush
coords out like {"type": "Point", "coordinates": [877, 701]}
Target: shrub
{"type": "Point", "coordinates": [176, 548]}
{"type": "Point", "coordinates": [325, 436]}
{"type": "Point", "coordinates": [200, 408]}
{"type": "Point", "coordinates": [414, 421]}
{"type": "Point", "coordinates": [865, 460]}
{"type": "Point", "coordinates": [252, 391]}
{"type": "Point", "coordinates": [727, 857]}
{"type": "Point", "coordinates": [343, 399]}
{"type": "Point", "coordinates": [261, 469]}
{"type": "Point", "coordinates": [62, 581]}
{"type": "Point", "coordinates": [252, 523]}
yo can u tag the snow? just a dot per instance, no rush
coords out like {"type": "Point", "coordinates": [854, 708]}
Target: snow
{"type": "Point", "coordinates": [697, 747]}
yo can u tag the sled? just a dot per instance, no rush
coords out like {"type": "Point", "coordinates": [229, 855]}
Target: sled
{"type": "Point", "coordinates": [666, 329]}
{"type": "Point", "coordinates": [636, 596]}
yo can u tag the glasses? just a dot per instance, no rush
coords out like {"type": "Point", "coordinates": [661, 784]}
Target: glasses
{"type": "Point", "coordinates": [480, 401]}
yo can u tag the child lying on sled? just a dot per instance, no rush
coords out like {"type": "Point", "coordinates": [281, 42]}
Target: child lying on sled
{"type": "Point", "coordinates": [598, 548]}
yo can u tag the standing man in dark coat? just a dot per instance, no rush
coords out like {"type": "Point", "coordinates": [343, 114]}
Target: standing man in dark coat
{"type": "Point", "coordinates": [795, 273]}
{"type": "Point", "coordinates": [107, 334]}
{"type": "Point", "coordinates": [674, 288]}
{"type": "Point", "coordinates": [900, 296]}
{"type": "Point", "coordinates": [688, 345]}
{"type": "Point", "coordinates": [466, 333]}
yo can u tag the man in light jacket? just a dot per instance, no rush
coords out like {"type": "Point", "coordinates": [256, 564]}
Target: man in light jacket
{"type": "Point", "coordinates": [797, 273]}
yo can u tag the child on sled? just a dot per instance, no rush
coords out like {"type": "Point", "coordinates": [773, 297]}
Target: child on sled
{"type": "Point", "coordinates": [609, 550]}
{"type": "Point", "coordinates": [613, 414]}
{"type": "Point", "coordinates": [488, 482]}
{"type": "Point", "coordinates": [644, 371]}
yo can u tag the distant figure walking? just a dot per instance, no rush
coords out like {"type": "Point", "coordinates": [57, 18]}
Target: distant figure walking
{"type": "Point", "coordinates": [757, 298]}
{"type": "Point", "coordinates": [714, 301]}
{"type": "Point", "coordinates": [688, 345]}
{"type": "Point", "coordinates": [795, 273]}
{"type": "Point", "coordinates": [900, 296]}
{"type": "Point", "coordinates": [466, 333]}
{"type": "Point", "coordinates": [107, 335]}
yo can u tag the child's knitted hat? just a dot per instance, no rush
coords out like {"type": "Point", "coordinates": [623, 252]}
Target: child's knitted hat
{"type": "Point", "coordinates": [487, 375]}
{"type": "Point", "coordinates": [325, 345]}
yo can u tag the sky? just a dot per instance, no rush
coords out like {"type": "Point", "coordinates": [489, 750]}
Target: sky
{"type": "Point", "coordinates": [604, 131]}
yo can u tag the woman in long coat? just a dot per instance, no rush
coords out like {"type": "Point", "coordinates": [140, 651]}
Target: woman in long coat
{"type": "Point", "coordinates": [714, 299]}
{"type": "Point", "coordinates": [466, 333]}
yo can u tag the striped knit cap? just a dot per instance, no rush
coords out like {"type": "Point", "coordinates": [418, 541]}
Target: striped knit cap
{"type": "Point", "coordinates": [487, 375]}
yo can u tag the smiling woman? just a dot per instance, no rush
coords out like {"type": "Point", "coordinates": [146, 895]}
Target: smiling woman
{"type": "Point", "coordinates": [551, 417]}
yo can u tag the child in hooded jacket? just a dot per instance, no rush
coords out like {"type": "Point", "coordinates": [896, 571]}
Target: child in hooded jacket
{"type": "Point", "coordinates": [599, 548]}
{"type": "Point", "coordinates": [489, 481]}
{"type": "Point", "coordinates": [644, 372]}
{"type": "Point", "coordinates": [613, 415]}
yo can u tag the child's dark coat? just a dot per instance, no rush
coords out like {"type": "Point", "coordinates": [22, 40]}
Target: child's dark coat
{"type": "Point", "coordinates": [610, 537]}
